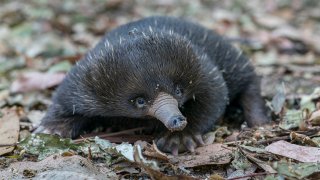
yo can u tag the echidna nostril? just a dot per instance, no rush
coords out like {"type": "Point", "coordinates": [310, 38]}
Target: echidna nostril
{"type": "Point", "coordinates": [177, 120]}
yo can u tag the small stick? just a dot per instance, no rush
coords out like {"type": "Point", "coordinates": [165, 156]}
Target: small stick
{"type": "Point", "coordinates": [307, 133]}
{"type": "Point", "coordinates": [273, 139]}
{"type": "Point", "coordinates": [311, 132]}
{"type": "Point", "coordinates": [110, 134]}
{"type": "Point", "coordinates": [122, 132]}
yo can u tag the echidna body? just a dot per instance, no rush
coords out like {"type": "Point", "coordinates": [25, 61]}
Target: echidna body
{"type": "Point", "coordinates": [162, 72]}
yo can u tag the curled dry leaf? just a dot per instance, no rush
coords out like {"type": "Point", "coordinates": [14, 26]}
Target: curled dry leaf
{"type": "Point", "coordinates": [36, 81]}
{"type": "Point", "coordinates": [9, 129]}
{"type": "Point", "coordinates": [153, 151]}
{"type": "Point", "coordinates": [303, 139]}
{"type": "Point", "coordinates": [315, 118]}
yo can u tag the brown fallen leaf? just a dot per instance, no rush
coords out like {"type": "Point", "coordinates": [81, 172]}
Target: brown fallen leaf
{"type": "Point", "coordinates": [206, 155]}
{"type": "Point", "coordinates": [232, 137]}
{"type": "Point", "coordinates": [36, 81]}
{"type": "Point", "coordinates": [9, 129]}
{"type": "Point", "coordinates": [216, 177]}
{"type": "Point", "coordinates": [300, 153]}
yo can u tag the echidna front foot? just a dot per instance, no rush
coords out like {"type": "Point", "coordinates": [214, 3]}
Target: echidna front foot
{"type": "Point", "coordinates": [181, 141]}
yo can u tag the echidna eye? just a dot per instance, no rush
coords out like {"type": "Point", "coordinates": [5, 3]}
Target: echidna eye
{"type": "Point", "coordinates": [140, 102]}
{"type": "Point", "coordinates": [178, 91]}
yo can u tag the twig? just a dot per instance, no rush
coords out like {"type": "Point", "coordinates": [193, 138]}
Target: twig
{"type": "Point", "coordinates": [226, 147]}
{"type": "Point", "coordinates": [122, 132]}
{"type": "Point", "coordinates": [273, 139]}
{"type": "Point", "coordinates": [110, 134]}
{"type": "Point", "coordinates": [232, 142]}
{"type": "Point", "coordinates": [287, 137]}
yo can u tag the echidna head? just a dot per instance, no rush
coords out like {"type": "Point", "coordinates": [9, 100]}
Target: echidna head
{"type": "Point", "coordinates": [149, 75]}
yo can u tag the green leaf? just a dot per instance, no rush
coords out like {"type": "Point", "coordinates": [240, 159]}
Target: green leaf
{"type": "Point", "coordinates": [278, 100]}
{"type": "Point", "coordinates": [23, 30]}
{"type": "Point", "coordinates": [297, 170]}
{"type": "Point", "coordinates": [102, 143]}
{"type": "Point", "coordinates": [316, 140]}
{"type": "Point", "coordinates": [63, 66]}
{"type": "Point", "coordinates": [9, 64]}
{"type": "Point", "coordinates": [45, 145]}
{"type": "Point", "coordinates": [240, 162]}
{"type": "Point", "coordinates": [292, 119]}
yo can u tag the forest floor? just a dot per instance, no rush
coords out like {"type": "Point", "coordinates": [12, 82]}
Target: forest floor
{"type": "Point", "coordinates": [41, 40]}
